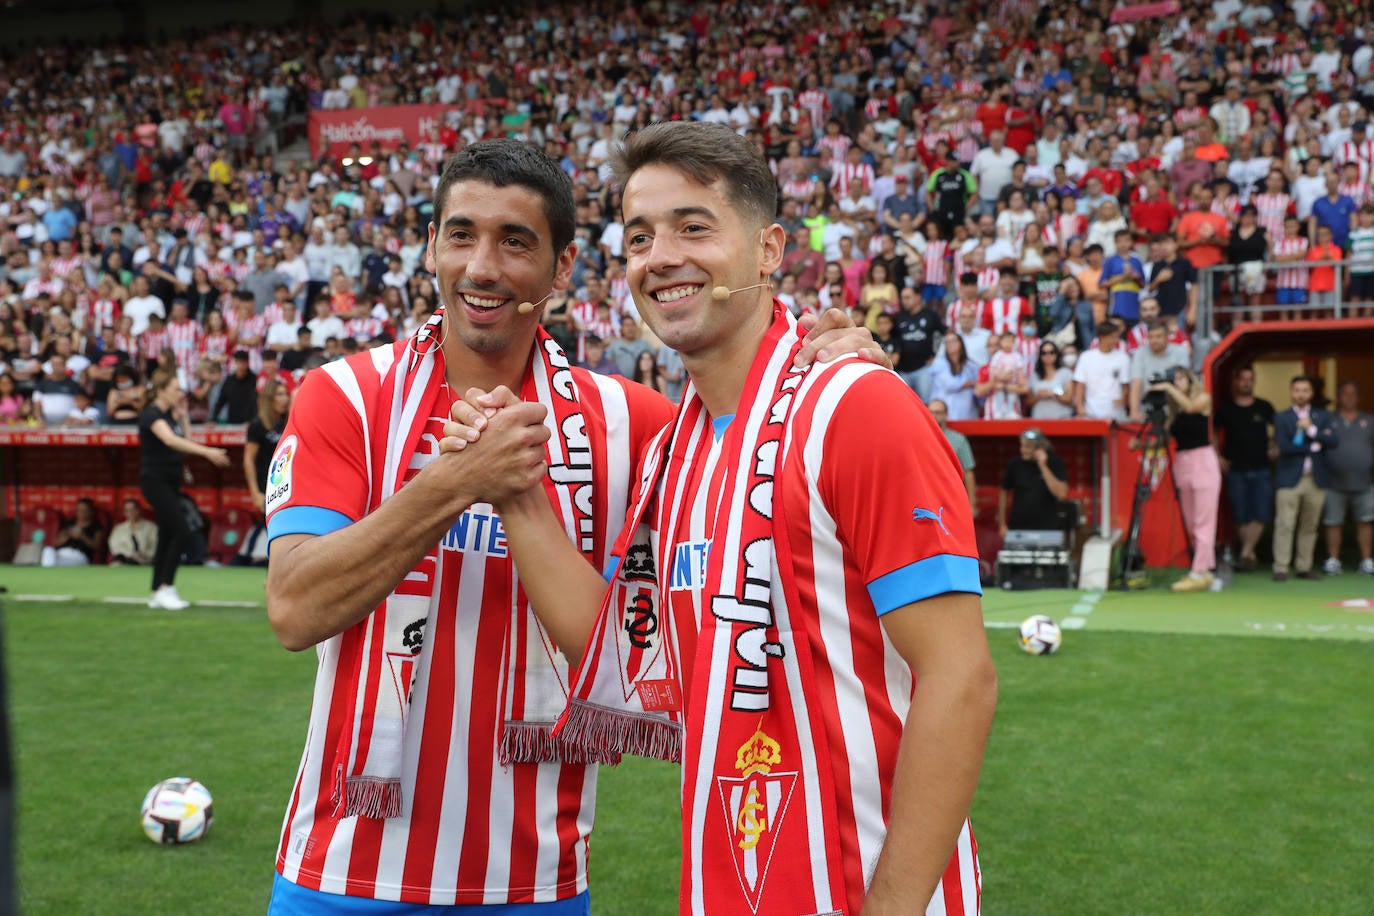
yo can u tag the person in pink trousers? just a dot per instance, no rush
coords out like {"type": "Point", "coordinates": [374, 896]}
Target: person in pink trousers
{"type": "Point", "coordinates": [1196, 471]}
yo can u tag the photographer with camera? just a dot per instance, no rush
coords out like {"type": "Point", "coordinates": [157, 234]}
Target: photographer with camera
{"type": "Point", "coordinates": [1152, 364]}
{"type": "Point", "coordinates": [1176, 397]}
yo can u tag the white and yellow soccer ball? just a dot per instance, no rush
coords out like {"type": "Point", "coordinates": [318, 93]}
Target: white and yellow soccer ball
{"type": "Point", "coordinates": [1039, 635]}
{"type": "Point", "coordinates": [177, 810]}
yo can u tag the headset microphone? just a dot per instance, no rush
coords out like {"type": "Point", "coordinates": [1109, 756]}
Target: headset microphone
{"type": "Point", "coordinates": [721, 293]}
{"type": "Point", "coordinates": [527, 307]}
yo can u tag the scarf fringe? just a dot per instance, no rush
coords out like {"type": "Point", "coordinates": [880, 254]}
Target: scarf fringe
{"type": "Point", "coordinates": [367, 796]}
{"type": "Point", "coordinates": [536, 742]}
{"type": "Point", "coordinates": [605, 734]}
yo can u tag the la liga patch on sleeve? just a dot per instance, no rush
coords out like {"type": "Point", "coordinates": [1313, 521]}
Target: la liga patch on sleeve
{"type": "Point", "coordinates": [279, 474]}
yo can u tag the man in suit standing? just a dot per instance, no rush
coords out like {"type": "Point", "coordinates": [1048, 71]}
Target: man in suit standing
{"type": "Point", "coordinates": [1303, 434]}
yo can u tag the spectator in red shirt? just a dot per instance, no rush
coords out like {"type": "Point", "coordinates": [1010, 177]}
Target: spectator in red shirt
{"type": "Point", "coordinates": [1153, 215]}
{"type": "Point", "coordinates": [992, 114]}
{"type": "Point", "coordinates": [1203, 235]}
{"type": "Point", "coordinates": [1023, 123]}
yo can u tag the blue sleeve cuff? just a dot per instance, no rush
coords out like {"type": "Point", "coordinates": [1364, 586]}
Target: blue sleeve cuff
{"type": "Point", "coordinates": [305, 520]}
{"type": "Point", "coordinates": [923, 579]}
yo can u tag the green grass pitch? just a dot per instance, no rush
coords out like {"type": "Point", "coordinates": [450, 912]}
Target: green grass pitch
{"type": "Point", "coordinates": [1208, 753]}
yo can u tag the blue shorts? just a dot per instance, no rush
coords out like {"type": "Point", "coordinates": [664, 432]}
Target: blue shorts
{"type": "Point", "coordinates": [1252, 496]}
{"type": "Point", "coordinates": [932, 292]}
{"type": "Point", "coordinates": [293, 900]}
{"type": "Point", "coordinates": [1291, 296]}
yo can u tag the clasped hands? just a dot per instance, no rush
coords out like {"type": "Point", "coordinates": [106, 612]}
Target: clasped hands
{"type": "Point", "coordinates": [501, 439]}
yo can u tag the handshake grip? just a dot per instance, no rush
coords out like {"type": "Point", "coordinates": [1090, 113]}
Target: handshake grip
{"type": "Point", "coordinates": [500, 442]}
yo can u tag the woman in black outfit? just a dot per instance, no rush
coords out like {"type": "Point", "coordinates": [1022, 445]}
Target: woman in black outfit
{"type": "Point", "coordinates": [162, 442]}
{"type": "Point", "coordinates": [274, 401]}
{"type": "Point", "coordinates": [1248, 250]}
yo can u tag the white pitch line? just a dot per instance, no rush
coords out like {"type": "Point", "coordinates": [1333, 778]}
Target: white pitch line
{"type": "Point", "coordinates": [227, 603]}
{"type": "Point", "coordinates": [1000, 624]}
{"type": "Point", "coordinates": [122, 599]}
{"type": "Point", "coordinates": [1074, 623]}
{"type": "Point", "coordinates": [42, 598]}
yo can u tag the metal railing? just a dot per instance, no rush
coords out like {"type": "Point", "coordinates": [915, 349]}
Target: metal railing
{"type": "Point", "coordinates": [1213, 302]}
{"type": "Point", "coordinates": [1220, 301]}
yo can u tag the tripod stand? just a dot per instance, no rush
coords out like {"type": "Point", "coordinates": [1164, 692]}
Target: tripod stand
{"type": "Point", "coordinates": [1154, 440]}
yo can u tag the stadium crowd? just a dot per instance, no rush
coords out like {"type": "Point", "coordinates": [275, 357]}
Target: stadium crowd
{"type": "Point", "coordinates": [1022, 207]}
{"type": "Point", "coordinates": [984, 192]}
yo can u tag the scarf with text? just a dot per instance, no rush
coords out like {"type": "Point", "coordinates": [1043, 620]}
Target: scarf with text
{"type": "Point", "coordinates": [378, 656]}
{"type": "Point", "coordinates": [718, 696]}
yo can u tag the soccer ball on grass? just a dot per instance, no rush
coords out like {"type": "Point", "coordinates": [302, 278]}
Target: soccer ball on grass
{"type": "Point", "coordinates": [177, 810]}
{"type": "Point", "coordinates": [1039, 635]}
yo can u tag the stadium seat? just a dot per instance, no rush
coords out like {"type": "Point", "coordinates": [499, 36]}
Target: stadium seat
{"type": "Point", "coordinates": [230, 527]}
{"type": "Point", "coordinates": [38, 528]}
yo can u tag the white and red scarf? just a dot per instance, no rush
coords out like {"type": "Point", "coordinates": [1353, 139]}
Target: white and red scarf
{"type": "Point", "coordinates": [386, 645]}
{"type": "Point", "coordinates": [738, 731]}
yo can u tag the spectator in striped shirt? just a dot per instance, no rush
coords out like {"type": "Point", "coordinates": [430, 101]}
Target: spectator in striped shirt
{"type": "Point", "coordinates": [1361, 260]}
{"type": "Point", "coordinates": [1291, 282]}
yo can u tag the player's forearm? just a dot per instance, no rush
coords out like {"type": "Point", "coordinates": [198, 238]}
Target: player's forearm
{"type": "Point", "coordinates": [318, 587]}
{"type": "Point", "coordinates": [937, 771]}
{"type": "Point", "coordinates": [565, 591]}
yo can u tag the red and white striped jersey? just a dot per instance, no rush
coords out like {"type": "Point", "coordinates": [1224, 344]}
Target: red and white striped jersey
{"type": "Point", "coordinates": [958, 262]}
{"type": "Point", "coordinates": [150, 344]}
{"type": "Point", "coordinates": [473, 831]}
{"type": "Point", "coordinates": [272, 313]}
{"type": "Point", "coordinates": [1138, 337]}
{"type": "Point", "coordinates": [816, 103]}
{"type": "Point", "coordinates": [194, 224]}
{"type": "Point", "coordinates": [216, 347]}
{"type": "Point", "coordinates": [1359, 192]}
{"type": "Point", "coordinates": [248, 334]}
{"type": "Point", "coordinates": [1271, 210]}
{"type": "Point", "coordinates": [1286, 63]}
{"type": "Point", "coordinates": [104, 314]}
{"type": "Point", "coordinates": [850, 711]}
{"type": "Point", "coordinates": [619, 292]}
{"type": "Point", "coordinates": [980, 318]}
{"type": "Point", "coordinates": [799, 187]}
{"type": "Point", "coordinates": [875, 107]}
{"type": "Point", "coordinates": [606, 330]}
{"type": "Point", "coordinates": [969, 87]}
{"type": "Point", "coordinates": [848, 174]}
{"type": "Point", "coordinates": [1004, 314]}
{"type": "Point", "coordinates": [1228, 207]}
{"type": "Point", "coordinates": [36, 287]}
{"type": "Point", "coordinates": [1063, 227]}
{"type": "Point", "coordinates": [1029, 349]}
{"type": "Point", "coordinates": [936, 260]}
{"type": "Point", "coordinates": [584, 313]}
{"type": "Point", "coordinates": [988, 277]}
{"type": "Point", "coordinates": [61, 267]}
{"type": "Point", "coordinates": [968, 145]}
{"type": "Point", "coordinates": [364, 328]}
{"type": "Point", "coordinates": [1291, 277]}
{"type": "Point", "coordinates": [838, 146]}
{"type": "Point", "coordinates": [184, 339]}
{"type": "Point", "coordinates": [1188, 118]}
{"type": "Point", "coordinates": [1349, 151]}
